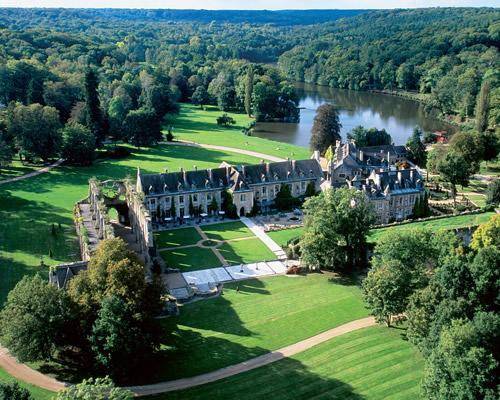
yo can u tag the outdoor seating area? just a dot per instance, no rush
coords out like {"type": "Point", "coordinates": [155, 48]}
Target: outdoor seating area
{"type": "Point", "coordinates": [279, 221]}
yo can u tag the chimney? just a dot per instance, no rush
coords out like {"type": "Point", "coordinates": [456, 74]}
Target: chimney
{"type": "Point", "coordinates": [361, 156]}
{"type": "Point", "coordinates": [411, 175]}
{"type": "Point", "coordinates": [268, 169]}
{"type": "Point", "coordinates": [316, 155]}
{"type": "Point", "coordinates": [227, 173]}
{"type": "Point", "coordinates": [293, 165]}
{"type": "Point", "coordinates": [400, 177]}
{"type": "Point", "coordinates": [243, 171]}
{"type": "Point", "coordinates": [210, 174]}
{"type": "Point", "coordinates": [388, 158]}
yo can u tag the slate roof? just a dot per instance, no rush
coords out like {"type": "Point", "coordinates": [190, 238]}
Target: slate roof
{"type": "Point", "coordinates": [61, 274]}
{"type": "Point", "coordinates": [230, 177]}
{"type": "Point", "coordinates": [381, 151]}
{"type": "Point", "coordinates": [382, 183]}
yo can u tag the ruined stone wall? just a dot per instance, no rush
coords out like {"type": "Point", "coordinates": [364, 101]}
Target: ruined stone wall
{"type": "Point", "coordinates": [140, 222]}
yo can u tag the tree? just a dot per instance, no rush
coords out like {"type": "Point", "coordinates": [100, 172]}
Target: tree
{"type": "Point", "coordinates": [470, 146]}
{"type": "Point", "coordinates": [96, 389]}
{"type": "Point", "coordinates": [326, 128]}
{"type": "Point", "coordinates": [284, 200]}
{"type": "Point", "coordinates": [249, 90]}
{"type": "Point", "coordinates": [94, 118]}
{"type": "Point", "coordinates": [228, 205]}
{"type": "Point", "coordinates": [416, 148]}
{"type": "Point", "coordinates": [78, 144]}
{"type": "Point", "coordinates": [213, 206]}
{"type": "Point", "coordinates": [335, 227]}
{"type": "Point", "coordinates": [454, 168]}
{"type": "Point", "coordinates": [493, 193]}
{"type": "Point", "coordinates": [386, 290]}
{"type": "Point", "coordinates": [35, 128]}
{"type": "Point", "coordinates": [487, 234]}
{"type": "Point", "coordinates": [12, 391]}
{"type": "Point", "coordinates": [142, 127]}
{"type": "Point", "coordinates": [369, 137]}
{"type": "Point", "coordinates": [200, 96]}
{"type": "Point", "coordinates": [310, 190]}
{"type": "Point", "coordinates": [113, 270]}
{"type": "Point", "coordinates": [62, 95]}
{"type": "Point", "coordinates": [482, 106]}
{"type": "Point", "coordinates": [35, 319]}
{"type": "Point", "coordinates": [460, 368]}
{"type": "Point", "coordinates": [225, 120]}
{"type": "Point", "coordinates": [485, 271]}
{"type": "Point", "coordinates": [121, 339]}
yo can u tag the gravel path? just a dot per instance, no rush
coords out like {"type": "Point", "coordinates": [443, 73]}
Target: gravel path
{"type": "Point", "coordinates": [34, 173]}
{"type": "Point", "coordinates": [28, 375]}
{"type": "Point", "coordinates": [225, 148]}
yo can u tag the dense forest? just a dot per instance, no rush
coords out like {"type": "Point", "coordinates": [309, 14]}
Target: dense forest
{"type": "Point", "coordinates": [114, 72]}
{"type": "Point", "coordinates": [446, 53]}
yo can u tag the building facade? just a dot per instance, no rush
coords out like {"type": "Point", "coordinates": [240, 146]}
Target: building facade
{"type": "Point", "coordinates": [392, 192]}
{"type": "Point", "coordinates": [177, 194]}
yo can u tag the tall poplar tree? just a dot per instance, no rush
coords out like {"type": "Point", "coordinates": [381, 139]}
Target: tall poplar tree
{"type": "Point", "coordinates": [482, 105]}
{"type": "Point", "coordinates": [93, 107]}
{"type": "Point", "coordinates": [249, 91]}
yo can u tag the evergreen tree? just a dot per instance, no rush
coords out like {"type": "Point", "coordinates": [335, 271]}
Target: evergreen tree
{"type": "Point", "coordinates": [482, 106]}
{"type": "Point", "coordinates": [249, 91]}
{"type": "Point", "coordinates": [94, 118]}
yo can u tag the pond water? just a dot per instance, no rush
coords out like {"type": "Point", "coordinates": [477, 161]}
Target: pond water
{"type": "Point", "coordinates": [396, 115]}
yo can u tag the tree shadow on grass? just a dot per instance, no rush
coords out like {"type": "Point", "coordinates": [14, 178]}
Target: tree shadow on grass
{"type": "Point", "coordinates": [249, 286]}
{"type": "Point", "coordinates": [284, 379]}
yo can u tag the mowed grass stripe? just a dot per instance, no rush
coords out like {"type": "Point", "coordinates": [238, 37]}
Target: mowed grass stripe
{"type": "Point", "coordinates": [327, 371]}
{"type": "Point", "coordinates": [227, 230]}
{"type": "Point", "coordinates": [264, 315]}
{"type": "Point", "coordinates": [177, 237]}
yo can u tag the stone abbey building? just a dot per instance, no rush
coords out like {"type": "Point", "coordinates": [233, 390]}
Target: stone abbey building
{"type": "Point", "coordinates": [174, 194]}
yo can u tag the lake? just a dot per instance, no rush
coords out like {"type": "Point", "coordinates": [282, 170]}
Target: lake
{"type": "Point", "coordinates": [398, 116]}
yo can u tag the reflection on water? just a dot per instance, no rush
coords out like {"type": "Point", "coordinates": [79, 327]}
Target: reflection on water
{"type": "Point", "coordinates": [396, 115]}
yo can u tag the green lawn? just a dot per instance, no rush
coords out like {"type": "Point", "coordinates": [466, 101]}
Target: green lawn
{"type": "Point", "coordinates": [227, 230]}
{"type": "Point", "coordinates": [36, 392]}
{"type": "Point", "coordinates": [177, 237]}
{"type": "Point", "coordinates": [369, 364]}
{"type": "Point", "coordinates": [264, 315]}
{"type": "Point", "coordinates": [459, 221]}
{"type": "Point", "coordinates": [490, 167]}
{"type": "Point", "coordinates": [197, 125]}
{"type": "Point", "coordinates": [246, 251]}
{"type": "Point", "coordinates": [282, 237]}
{"type": "Point", "coordinates": [17, 168]}
{"type": "Point", "coordinates": [190, 259]}
{"type": "Point", "coordinates": [29, 207]}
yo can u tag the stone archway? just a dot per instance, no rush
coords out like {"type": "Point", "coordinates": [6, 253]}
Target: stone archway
{"type": "Point", "coordinates": [242, 212]}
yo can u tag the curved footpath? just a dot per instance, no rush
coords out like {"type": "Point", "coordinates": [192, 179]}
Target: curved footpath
{"type": "Point", "coordinates": [34, 173]}
{"type": "Point", "coordinates": [225, 148]}
{"type": "Point", "coordinates": [28, 375]}
{"type": "Point", "coordinates": [179, 143]}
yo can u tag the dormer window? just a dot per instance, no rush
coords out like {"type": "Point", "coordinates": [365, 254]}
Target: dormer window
{"type": "Point", "coordinates": [150, 189]}
{"type": "Point", "coordinates": [193, 186]}
{"type": "Point", "coordinates": [263, 178]}
{"type": "Point", "coordinates": [207, 183]}
{"type": "Point", "coordinates": [179, 186]}
{"type": "Point", "coordinates": [276, 177]}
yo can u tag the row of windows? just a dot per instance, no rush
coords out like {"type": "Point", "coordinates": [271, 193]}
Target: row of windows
{"type": "Point", "coordinates": [181, 199]}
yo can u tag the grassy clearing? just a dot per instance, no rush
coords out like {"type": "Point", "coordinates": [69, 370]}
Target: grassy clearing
{"type": "Point", "coordinates": [190, 259]}
{"type": "Point", "coordinates": [490, 168]}
{"type": "Point", "coordinates": [177, 237]}
{"type": "Point", "coordinates": [29, 207]}
{"type": "Point", "coordinates": [264, 315]}
{"type": "Point", "coordinates": [36, 392]}
{"type": "Point", "coordinates": [227, 231]}
{"type": "Point", "coordinates": [459, 221]}
{"type": "Point", "coordinates": [246, 251]}
{"type": "Point", "coordinates": [17, 168]}
{"type": "Point", "coordinates": [372, 363]}
{"type": "Point", "coordinates": [197, 125]}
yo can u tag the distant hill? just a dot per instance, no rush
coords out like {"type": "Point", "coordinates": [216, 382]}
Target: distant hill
{"type": "Point", "coordinates": [281, 17]}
